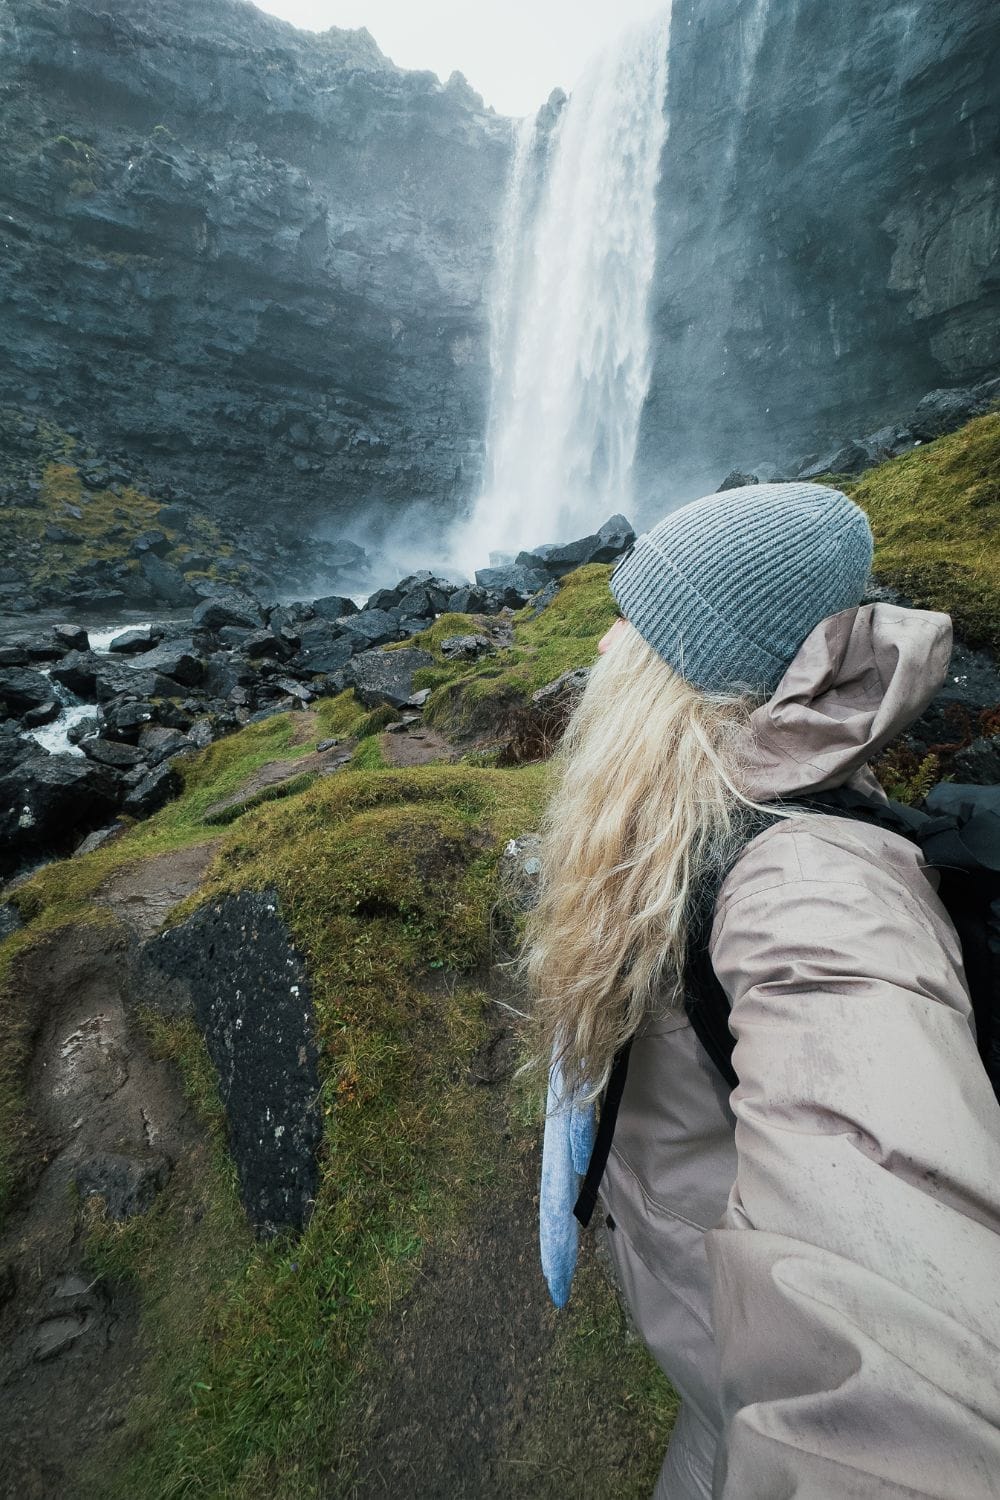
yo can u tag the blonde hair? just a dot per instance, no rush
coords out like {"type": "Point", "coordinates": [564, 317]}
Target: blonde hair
{"type": "Point", "coordinates": [647, 802]}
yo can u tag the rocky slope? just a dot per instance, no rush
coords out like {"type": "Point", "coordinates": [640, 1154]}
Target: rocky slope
{"type": "Point", "coordinates": [250, 257]}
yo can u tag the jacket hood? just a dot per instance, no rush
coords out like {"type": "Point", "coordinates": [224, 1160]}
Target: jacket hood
{"type": "Point", "coordinates": [858, 679]}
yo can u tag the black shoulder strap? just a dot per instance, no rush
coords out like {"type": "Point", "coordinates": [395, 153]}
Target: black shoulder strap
{"type": "Point", "coordinates": [584, 1206]}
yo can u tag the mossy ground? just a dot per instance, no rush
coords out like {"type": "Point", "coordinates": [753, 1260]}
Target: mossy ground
{"type": "Point", "coordinates": [935, 514]}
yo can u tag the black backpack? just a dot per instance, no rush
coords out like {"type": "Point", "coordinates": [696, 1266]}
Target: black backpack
{"type": "Point", "coordinates": [958, 831]}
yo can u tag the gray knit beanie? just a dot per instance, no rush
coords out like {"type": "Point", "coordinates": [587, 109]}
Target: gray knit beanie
{"type": "Point", "coordinates": [727, 588]}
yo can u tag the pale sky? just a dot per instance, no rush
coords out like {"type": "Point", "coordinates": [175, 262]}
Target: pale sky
{"type": "Point", "coordinates": [514, 53]}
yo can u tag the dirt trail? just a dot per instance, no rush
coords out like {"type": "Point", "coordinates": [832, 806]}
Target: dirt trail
{"type": "Point", "coordinates": [106, 1118]}
{"type": "Point", "coordinates": [142, 894]}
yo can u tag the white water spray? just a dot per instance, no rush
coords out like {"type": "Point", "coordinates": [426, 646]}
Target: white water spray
{"type": "Point", "coordinates": [570, 335]}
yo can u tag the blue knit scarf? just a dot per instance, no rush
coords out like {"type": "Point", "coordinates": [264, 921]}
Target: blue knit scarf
{"type": "Point", "coordinates": [566, 1148]}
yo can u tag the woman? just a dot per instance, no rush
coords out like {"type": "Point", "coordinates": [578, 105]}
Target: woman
{"type": "Point", "coordinates": [813, 1259]}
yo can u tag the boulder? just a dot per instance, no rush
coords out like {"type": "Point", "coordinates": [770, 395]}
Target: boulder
{"type": "Point", "coordinates": [45, 713]}
{"type": "Point", "coordinates": [157, 743]}
{"type": "Point", "coordinates": [47, 799]}
{"type": "Point", "coordinates": [979, 762]}
{"type": "Point", "coordinates": [736, 479]}
{"type": "Point", "coordinates": [384, 599]}
{"type": "Point", "coordinates": [179, 660]}
{"type": "Point", "coordinates": [167, 582]}
{"type": "Point", "coordinates": [849, 458]}
{"type": "Point", "coordinates": [151, 541]}
{"type": "Point", "coordinates": [234, 964]}
{"type": "Point", "coordinates": [334, 607]}
{"type": "Point", "coordinates": [125, 721]}
{"type": "Point", "coordinates": [71, 637]}
{"type": "Point", "coordinates": [154, 791]}
{"type": "Point", "coordinates": [113, 753]}
{"type": "Point", "coordinates": [324, 649]}
{"type": "Point", "coordinates": [944, 411]}
{"type": "Point", "coordinates": [23, 689]}
{"type": "Point", "coordinates": [466, 647]}
{"type": "Point", "coordinates": [231, 608]}
{"type": "Point", "coordinates": [514, 582]}
{"type": "Point", "coordinates": [78, 672]}
{"type": "Point", "coordinates": [372, 627]}
{"type": "Point", "coordinates": [386, 676]}
{"type": "Point", "coordinates": [130, 642]}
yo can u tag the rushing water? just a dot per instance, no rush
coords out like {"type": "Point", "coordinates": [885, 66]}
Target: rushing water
{"type": "Point", "coordinates": [570, 336]}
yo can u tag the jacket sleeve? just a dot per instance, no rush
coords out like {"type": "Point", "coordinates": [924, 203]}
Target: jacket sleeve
{"type": "Point", "coordinates": [856, 1272]}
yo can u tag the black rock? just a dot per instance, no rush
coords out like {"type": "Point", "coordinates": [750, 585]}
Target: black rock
{"type": "Point", "coordinates": [179, 660]}
{"type": "Point", "coordinates": [13, 656]}
{"type": "Point", "coordinates": [944, 411]}
{"type": "Point", "coordinates": [60, 535]}
{"type": "Point", "coordinates": [167, 582]}
{"type": "Point", "coordinates": [46, 800]}
{"type": "Point", "coordinates": [472, 601]}
{"type": "Point", "coordinates": [71, 637]}
{"type": "Point", "coordinates": [128, 1184]}
{"type": "Point", "coordinates": [22, 689]}
{"type": "Point", "coordinates": [249, 990]}
{"type": "Point", "coordinates": [78, 672]}
{"type": "Point", "coordinates": [111, 752]}
{"type": "Point", "coordinates": [45, 713]}
{"type": "Point", "coordinates": [125, 721]}
{"type": "Point", "coordinates": [82, 728]}
{"type": "Point", "coordinates": [979, 762]}
{"type": "Point", "coordinates": [385, 599]}
{"type": "Point", "coordinates": [373, 627]}
{"type": "Point", "coordinates": [736, 480]}
{"type": "Point", "coordinates": [130, 642]}
{"type": "Point", "coordinates": [386, 676]}
{"type": "Point", "coordinates": [153, 792]}
{"type": "Point", "coordinates": [158, 743]}
{"type": "Point", "coordinates": [177, 517]}
{"type": "Point", "coordinates": [514, 582]}
{"type": "Point", "coordinates": [227, 609]}
{"type": "Point", "coordinates": [151, 541]}
{"type": "Point", "coordinates": [334, 607]}
{"type": "Point", "coordinates": [849, 458]}
{"type": "Point", "coordinates": [466, 647]}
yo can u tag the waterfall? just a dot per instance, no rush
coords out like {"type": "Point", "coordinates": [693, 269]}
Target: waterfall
{"type": "Point", "coordinates": [570, 338]}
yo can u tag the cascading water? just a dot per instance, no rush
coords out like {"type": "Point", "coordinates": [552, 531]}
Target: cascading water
{"type": "Point", "coordinates": [570, 336]}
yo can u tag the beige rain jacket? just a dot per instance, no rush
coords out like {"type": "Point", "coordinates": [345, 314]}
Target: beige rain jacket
{"type": "Point", "coordinates": [815, 1260]}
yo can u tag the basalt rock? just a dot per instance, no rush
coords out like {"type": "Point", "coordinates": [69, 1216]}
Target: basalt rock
{"type": "Point", "coordinates": [234, 964]}
{"type": "Point", "coordinates": [282, 235]}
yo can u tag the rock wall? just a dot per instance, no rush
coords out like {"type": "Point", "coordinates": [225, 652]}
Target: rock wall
{"type": "Point", "coordinates": [252, 257]}
{"type": "Point", "coordinates": [829, 227]}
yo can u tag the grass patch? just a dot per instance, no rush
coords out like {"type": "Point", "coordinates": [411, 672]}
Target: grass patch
{"type": "Point", "coordinates": [607, 1409]}
{"type": "Point", "coordinates": [471, 699]}
{"type": "Point", "coordinates": [935, 514]}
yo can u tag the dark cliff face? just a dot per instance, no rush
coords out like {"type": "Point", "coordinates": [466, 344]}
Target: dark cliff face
{"type": "Point", "coordinates": [251, 257]}
{"type": "Point", "coordinates": [828, 226]}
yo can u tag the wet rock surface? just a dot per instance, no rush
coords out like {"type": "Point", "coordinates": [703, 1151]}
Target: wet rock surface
{"type": "Point", "coordinates": [249, 992]}
{"type": "Point", "coordinates": [310, 313]}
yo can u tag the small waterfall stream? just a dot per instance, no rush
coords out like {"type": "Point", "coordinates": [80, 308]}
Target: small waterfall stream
{"type": "Point", "coordinates": [570, 337]}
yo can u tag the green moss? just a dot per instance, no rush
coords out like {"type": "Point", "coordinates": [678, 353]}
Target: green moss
{"type": "Point", "coordinates": [935, 514]}
{"type": "Point", "coordinates": [474, 699]}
